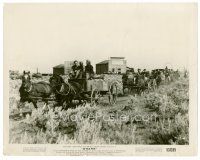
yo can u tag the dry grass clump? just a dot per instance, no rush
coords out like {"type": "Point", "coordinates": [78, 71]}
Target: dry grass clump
{"type": "Point", "coordinates": [171, 103]}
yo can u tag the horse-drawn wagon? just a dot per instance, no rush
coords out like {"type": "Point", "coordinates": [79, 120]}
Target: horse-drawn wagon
{"type": "Point", "coordinates": [90, 90]}
{"type": "Point", "coordinates": [67, 91]}
{"type": "Point", "coordinates": [136, 83]}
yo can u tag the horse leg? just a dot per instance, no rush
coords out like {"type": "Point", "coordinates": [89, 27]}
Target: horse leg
{"type": "Point", "coordinates": [83, 102]}
{"type": "Point", "coordinates": [114, 98]}
{"type": "Point", "coordinates": [72, 103]}
{"type": "Point", "coordinates": [110, 98]}
{"type": "Point", "coordinates": [20, 104]}
{"type": "Point", "coordinates": [124, 90]}
{"type": "Point", "coordinates": [67, 103]}
{"type": "Point", "coordinates": [34, 103]}
{"type": "Point", "coordinates": [154, 86]}
{"type": "Point", "coordinates": [139, 92]}
{"type": "Point", "coordinates": [80, 98]}
{"type": "Point", "coordinates": [64, 105]}
{"type": "Point", "coordinates": [130, 90]}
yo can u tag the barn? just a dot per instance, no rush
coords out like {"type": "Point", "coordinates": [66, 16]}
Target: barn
{"type": "Point", "coordinates": [113, 65]}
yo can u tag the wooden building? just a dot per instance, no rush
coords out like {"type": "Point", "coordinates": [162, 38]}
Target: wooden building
{"type": "Point", "coordinates": [59, 69]}
{"type": "Point", "coordinates": [113, 65]}
{"type": "Point", "coordinates": [64, 69]}
{"type": "Point", "coordinates": [68, 66]}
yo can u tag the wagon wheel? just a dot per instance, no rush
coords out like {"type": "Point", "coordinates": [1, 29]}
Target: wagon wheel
{"type": "Point", "coordinates": [94, 97]}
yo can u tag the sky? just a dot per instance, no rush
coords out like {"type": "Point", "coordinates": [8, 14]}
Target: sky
{"type": "Point", "coordinates": [147, 35]}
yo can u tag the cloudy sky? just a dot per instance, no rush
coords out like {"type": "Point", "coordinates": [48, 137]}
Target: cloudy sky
{"type": "Point", "coordinates": [147, 35]}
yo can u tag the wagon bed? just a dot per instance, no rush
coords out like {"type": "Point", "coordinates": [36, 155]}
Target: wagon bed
{"type": "Point", "coordinates": [89, 85]}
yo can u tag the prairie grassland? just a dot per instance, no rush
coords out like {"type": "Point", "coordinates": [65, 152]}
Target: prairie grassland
{"type": "Point", "coordinates": [157, 117]}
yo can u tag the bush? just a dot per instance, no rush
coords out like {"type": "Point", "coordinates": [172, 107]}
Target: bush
{"type": "Point", "coordinates": [170, 131]}
{"type": "Point", "coordinates": [171, 103]}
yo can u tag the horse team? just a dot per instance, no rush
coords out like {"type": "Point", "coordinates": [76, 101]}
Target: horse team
{"type": "Point", "coordinates": [63, 92]}
{"type": "Point", "coordinates": [139, 82]}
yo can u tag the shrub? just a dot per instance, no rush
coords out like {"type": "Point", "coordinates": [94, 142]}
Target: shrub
{"type": "Point", "coordinates": [170, 131]}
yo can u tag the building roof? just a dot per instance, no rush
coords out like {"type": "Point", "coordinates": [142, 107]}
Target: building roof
{"type": "Point", "coordinates": [117, 57]}
{"type": "Point", "coordinates": [59, 66]}
{"type": "Point", "coordinates": [103, 62]}
{"type": "Point", "coordinates": [106, 61]}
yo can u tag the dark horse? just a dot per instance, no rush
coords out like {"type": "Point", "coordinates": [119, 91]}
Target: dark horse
{"type": "Point", "coordinates": [66, 92]}
{"type": "Point", "coordinates": [31, 92]}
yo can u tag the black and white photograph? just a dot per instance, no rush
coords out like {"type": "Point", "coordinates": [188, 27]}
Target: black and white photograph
{"type": "Point", "coordinates": [100, 75]}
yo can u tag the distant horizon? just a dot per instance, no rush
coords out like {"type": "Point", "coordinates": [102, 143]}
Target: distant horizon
{"type": "Point", "coordinates": [34, 70]}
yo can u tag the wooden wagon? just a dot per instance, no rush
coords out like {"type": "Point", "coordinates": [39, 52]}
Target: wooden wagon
{"type": "Point", "coordinates": [94, 88]}
{"type": "Point", "coordinates": [98, 87]}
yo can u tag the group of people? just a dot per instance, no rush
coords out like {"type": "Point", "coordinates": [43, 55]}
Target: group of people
{"type": "Point", "coordinates": [79, 71]}
{"type": "Point", "coordinates": [149, 78]}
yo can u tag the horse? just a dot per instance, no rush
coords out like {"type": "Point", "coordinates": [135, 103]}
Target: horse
{"type": "Point", "coordinates": [130, 83]}
{"type": "Point", "coordinates": [31, 92]}
{"type": "Point", "coordinates": [152, 85]}
{"type": "Point", "coordinates": [66, 92]}
{"type": "Point", "coordinates": [133, 85]}
{"type": "Point", "coordinates": [167, 78]}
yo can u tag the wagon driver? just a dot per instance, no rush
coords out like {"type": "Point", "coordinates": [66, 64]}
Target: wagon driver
{"type": "Point", "coordinates": [75, 69]}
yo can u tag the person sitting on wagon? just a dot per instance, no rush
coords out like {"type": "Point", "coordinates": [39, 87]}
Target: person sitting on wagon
{"type": "Point", "coordinates": [89, 70]}
{"type": "Point", "coordinates": [144, 72]}
{"type": "Point", "coordinates": [139, 72]}
{"type": "Point", "coordinates": [81, 70]}
{"type": "Point", "coordinates": [75, 69]}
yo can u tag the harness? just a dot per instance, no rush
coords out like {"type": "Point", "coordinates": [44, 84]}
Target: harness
{"type": "Point", "coordinates": [70, 88]}
{"type": "Point", "coordinates": [29, 88]}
